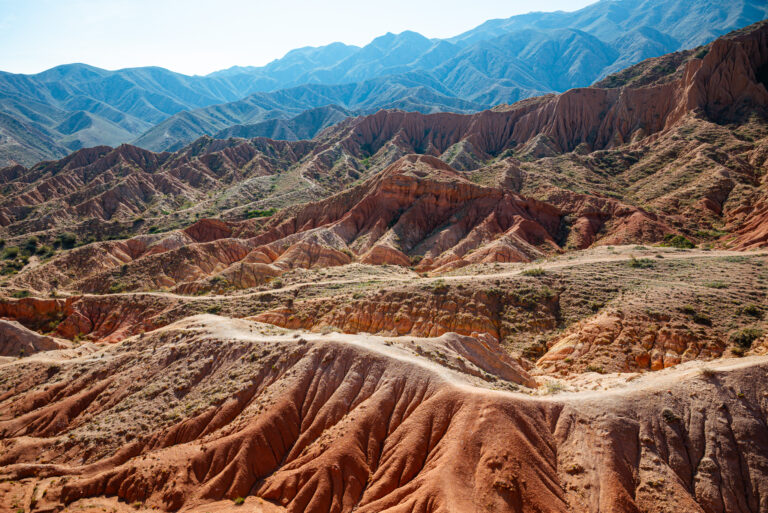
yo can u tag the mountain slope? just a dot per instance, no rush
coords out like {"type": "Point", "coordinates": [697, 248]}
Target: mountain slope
{"type": "Point", "coordinates": [679, 156]}
{"type": "Point", "coordinates": [502, 61]}
{"type": "Point", "coordinates": [304, 126]}
{"type": "Point", "coordinates": [405, 92]}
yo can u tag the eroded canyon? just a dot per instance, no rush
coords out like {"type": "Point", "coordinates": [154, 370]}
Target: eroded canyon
{"type": "Point", "coordinates": [553, 306]}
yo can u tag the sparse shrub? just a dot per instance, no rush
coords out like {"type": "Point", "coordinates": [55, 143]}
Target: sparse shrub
{"type": "Point", "coordinates": [277, 284]}
{"type": "Point", "coordinates": [31, 244]}
{"type": "Point", "coordinates": [700, 318]}
{"type": "Point", "coordinates": [213, 309]}
{"type": "Point", "coordinates": [440, 287]}
{"type": "Point", "coordinates": [744, 338]}
{"type": "Point", "coordinates": [554, 387]}
{"type": "Point", "coordinates": [67, 240]}
{"type": "Point", "coordinates": [752, 311]}
{"type": "Point", "coordinates": [595, 306]}
{"type": "Point", "coordinates": [595, 368]}
{"type": "Point", "coordinates": [11, 252]}
{"type": "Point", "coordinates": [655, 483]}
{"type": "Point", "coordinates": [239, 501]}
{"type": "Point", "coordinates": [716, 285]}
{"type": "Point", "coordinates": [536, 271]}
{"type": "Point", "coordinates": [710, 234]}
{"type": "Point", "coordinates": [18, 294]}
{"type": "Point", "coordinates": [669, 416]}
{"type": "Point", "coordinates": [677, 241]}
{"type": "Point", "coordinates": [708, 372]}
{"type": "Point", "coordinates": [640, 263]}
{"type": "Point", "coordinates": [574, 469]}
{"type": "Point", "coordinates": [251, 214]}
{"type": "Point", "coordinates": [495, 292]}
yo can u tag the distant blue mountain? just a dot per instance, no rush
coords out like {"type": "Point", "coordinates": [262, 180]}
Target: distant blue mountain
{"type": "Point", "coordinates": [47, 115]}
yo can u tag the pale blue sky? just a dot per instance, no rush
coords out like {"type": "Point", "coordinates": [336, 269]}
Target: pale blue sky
{"type": "Point", "coordinates": [197, 37]}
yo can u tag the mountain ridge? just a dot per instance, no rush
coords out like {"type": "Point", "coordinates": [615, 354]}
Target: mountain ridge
{"type": "Point", "coordinates": [479, 69]}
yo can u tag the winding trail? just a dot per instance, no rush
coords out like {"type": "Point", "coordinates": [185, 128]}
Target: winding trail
{"type": "Point", "coordinates": [560, 263]}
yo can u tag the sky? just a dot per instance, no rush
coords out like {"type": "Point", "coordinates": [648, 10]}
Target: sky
{"type": "Point", "coordinates": [198, 37]}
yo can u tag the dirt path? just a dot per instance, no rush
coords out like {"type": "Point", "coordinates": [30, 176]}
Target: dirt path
{"type": "Point", "coordinates": [622, 385]}
{"type": "Point", "coordinates": [560, 263]}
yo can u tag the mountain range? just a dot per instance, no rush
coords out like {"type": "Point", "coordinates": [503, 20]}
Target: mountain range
{"type": "Point", "coordinates": [68, 107]}
{"type": "Point", "coordinates": [557, 305]}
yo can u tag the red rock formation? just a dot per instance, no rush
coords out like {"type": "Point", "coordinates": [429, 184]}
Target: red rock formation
{"type": "Point", "coordinates": [642, 342]}
{"type": "Point", "coordinates": [354, 424]}
{"type": "Point", "coordinates": [16, 340]}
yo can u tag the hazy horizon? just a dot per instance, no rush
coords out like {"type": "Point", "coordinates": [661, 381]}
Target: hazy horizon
{"type": "Point", "coordinates": [195, 39]}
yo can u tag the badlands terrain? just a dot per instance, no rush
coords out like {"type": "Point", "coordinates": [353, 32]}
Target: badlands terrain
{"type": "Point", "coordinates": [557, 305]}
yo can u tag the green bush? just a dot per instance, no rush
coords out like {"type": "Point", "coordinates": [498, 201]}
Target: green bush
{"type": "Point", "coordinates": [250, 214]}
{"type": "Point", "coordinates": [640, 263]}
{"type": "Point", "coordinates": [595, 368]}
{"type": "Point", "coordinates": [669, 416]}
{"type": "Point", "coordinates": [700, 318]}
{"type": "Point", "coordinates": [744, 338]}
{"type": "Point", "coordinates": [31, 244]}
{"type": "Point", "coordinates": [536, 271]}
{"type": "Point", "coordinates": [677, 241]}
{"type": "Point", "coordinates": [11, 252]}
{"type": "Point", "coordinates": [45, 251]}
{"type": "Point", "coordinates": [67, 240]}
{"type": "Point", "coordinates": [440, 287]}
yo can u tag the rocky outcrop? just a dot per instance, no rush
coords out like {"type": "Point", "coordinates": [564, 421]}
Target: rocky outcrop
{"type": "Point", "coordinates": [431, 310]}
{"type": "Point", "coordinates": [641, 342]}
{"type": "Point", "coordinates": [106, 319]}
{"type": "Point", "coordinates": [17, 340]}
